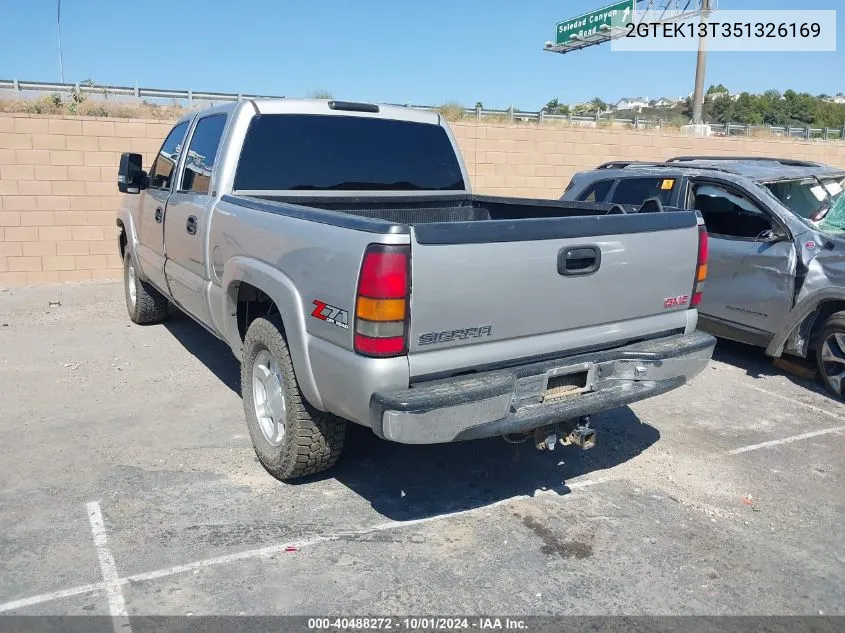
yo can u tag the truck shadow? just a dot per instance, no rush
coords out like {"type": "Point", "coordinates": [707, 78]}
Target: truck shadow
{"type": "Point", "coordinates": [404, 482]}
{"type": "Point", "coordinates": [207, 348]}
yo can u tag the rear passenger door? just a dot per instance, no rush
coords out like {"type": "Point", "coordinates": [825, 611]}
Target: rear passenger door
{"type": "Point", "coordinates": [188, 210]}
{"type": "Point", "coordinates": [751, 277]}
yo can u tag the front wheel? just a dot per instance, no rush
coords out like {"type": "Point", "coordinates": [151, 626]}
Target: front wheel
{"type": "Point", "coordinates": [144, 303]}
{"type": "Point", "coordinates": [291, 438]}
{"type": "Point", "coordinates": [830, 354]}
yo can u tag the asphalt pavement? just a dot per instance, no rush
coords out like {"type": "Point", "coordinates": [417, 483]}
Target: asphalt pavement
{"type": "Point", "coordinates": [127, 481]}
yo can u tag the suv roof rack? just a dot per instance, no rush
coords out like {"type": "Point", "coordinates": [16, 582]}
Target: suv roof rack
{"type": "Point", "coordinates": [622, 164]}
{"type": "Point", "coordinates": [789, 162]}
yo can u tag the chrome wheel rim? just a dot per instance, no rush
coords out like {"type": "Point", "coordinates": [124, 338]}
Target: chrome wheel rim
{"type": "Point", "coordinates": [131, 282]}
{"type": "Point", "coordinates": [268, 395]}
{"type": "Point", "coordinates": [833, 361]}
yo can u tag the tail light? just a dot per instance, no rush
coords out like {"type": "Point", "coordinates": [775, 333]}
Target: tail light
{"type": "Point", "coordinates": [381, 306]}
{"type": "Point", "coordinates": [701, 267]}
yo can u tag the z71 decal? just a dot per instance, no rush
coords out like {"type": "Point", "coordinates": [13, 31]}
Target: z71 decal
{"type": "Point", "coordinates": [455, 335]}
{"type": "Point", "coordinates": [331, 314]}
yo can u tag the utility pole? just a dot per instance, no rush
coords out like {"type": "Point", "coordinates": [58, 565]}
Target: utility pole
{"type": "Point", "coordinates": [59, 34]}
{"type": "Point", "coordinates": [700, 68]}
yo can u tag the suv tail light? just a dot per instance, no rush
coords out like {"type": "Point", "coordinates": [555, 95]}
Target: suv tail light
{"type": "Point", "coordinates": [381, 305]}
{"type": "Point", "coordinates": [701, 267]}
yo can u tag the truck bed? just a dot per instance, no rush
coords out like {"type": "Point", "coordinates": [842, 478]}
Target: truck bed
{"type": "Point", "coordinates": [427, 209]}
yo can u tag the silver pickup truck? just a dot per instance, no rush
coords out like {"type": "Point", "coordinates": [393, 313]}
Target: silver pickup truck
{"type": "Point", "coordinates": [336, 247]}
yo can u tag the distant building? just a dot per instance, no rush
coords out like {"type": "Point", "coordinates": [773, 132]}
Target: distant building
{"type": "Point", "coordinates": [632, 103]}
{"type": "Point", "coordinates": [721, 94]}
{"type": "Point", "coordinates": [837, 99]}
{"type": "Point", "coordinates": [666, 102]}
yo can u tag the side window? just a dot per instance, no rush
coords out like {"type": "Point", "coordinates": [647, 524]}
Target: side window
{"type": "Point", "coordinates": [729, 214]}
{"type": "Point", "coordinates": [596, 192]}
{"type": "Point", "coordinates": [161, 173]}
{"type": "Point", "coordinates": [638, 190]}
{"type": "Point", "coordinates": [202, 152]}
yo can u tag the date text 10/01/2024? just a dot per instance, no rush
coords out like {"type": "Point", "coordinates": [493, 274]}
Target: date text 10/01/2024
{"type": "Point", "coordinates": [417, 624]}
{"type": "Point", "coordinates": [760, 30]}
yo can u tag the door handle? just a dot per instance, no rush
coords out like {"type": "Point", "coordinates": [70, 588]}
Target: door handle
{"type": "Point", "coordinates": [159, 214]}
{"type": "Point", "coordinates": [191, 225]}
{"type": "Point", "coordinates": [578, 260]}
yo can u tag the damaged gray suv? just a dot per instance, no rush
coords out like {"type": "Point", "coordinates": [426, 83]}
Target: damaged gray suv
{"type": "Point", "coordinates": [776, 275]}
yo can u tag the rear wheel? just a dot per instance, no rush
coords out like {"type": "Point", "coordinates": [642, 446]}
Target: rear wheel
{"type": "Point", "coordinates": [144, 303]}
{"type": "Point", "coordinates": [291, 438]}
{"type": "Point", "coordinates": [830, 354]}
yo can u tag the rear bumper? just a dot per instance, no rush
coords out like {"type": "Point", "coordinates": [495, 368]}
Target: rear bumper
{"type": "Point", "coordinates": [511, 400]}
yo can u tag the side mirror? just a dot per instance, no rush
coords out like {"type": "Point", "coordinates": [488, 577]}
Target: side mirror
{"type": "Point", "coordinates": [130, 177]}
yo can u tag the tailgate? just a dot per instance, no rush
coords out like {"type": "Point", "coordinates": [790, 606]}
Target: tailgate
{"type": "Point", "coordinates": [488, 292]}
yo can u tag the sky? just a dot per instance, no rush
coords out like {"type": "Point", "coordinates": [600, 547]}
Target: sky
{"type": "Point", "coordinates": [399, 51]}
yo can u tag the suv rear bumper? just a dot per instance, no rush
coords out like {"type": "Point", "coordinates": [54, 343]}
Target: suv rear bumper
{"type": "Point", "coordinates": [511, 400]}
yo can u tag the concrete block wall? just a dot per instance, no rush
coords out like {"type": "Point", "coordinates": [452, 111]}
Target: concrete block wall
{"type": "Point", "coordinates": [538, 162]}
{"type": "Point", "coordinates": [58, 194]}
{"type": "Point", "coordinates": [58, 191]}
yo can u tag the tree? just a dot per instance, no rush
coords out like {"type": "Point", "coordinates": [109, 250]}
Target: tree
{"type": "Point", "coordinates": [769, 108]}
{"type": "Point", "coordinates": [800, 107]}
{"type": "Point", "coordinates": [829, 114]}
{"type": "Point", "coordinates": [582, 109]}
{"type": "Point", "coordinates": [773, 108]}
{"type": "Point", "coordinates": [746, 109]}
{"type": "Point", "coordinates": [598, 106]}
{"type": "Point", "coordinates": [720, 89]}
{"type": "Point", "coordinates": [723, 110]}
{"type": "Point", "coordinates": [556, 107]}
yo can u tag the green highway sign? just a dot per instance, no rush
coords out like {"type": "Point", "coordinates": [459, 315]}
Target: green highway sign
{"type": "Point", "coordinates": [591, 23]}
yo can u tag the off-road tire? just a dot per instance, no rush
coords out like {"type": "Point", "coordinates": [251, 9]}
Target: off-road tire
{"type": "Point", "coordinates": [835, 324]}
{"type": "Point", "coordinates": [150, 306]}
{"type": "Point", "coordinates": [313, 439]}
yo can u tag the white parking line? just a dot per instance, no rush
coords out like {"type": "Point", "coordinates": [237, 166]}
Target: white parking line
{"type": "Point", "coordinates": [114, 583]}
{"type": "Point", "coordinates": [53, 595]}
{"type": "Point", "coordinates": [786, 440]}
{"type": "Point", "coordinates": [261, 552]}
{"type": "Point", "coordinates": [795, 401]}
{"type": "Point", "coordinates": [117, 605]}
{"type": "Point", "coordinates": [271, 550]}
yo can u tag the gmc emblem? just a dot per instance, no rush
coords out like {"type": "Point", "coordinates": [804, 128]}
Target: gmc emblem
{"type": "Point", "coordinates": [673, 302]}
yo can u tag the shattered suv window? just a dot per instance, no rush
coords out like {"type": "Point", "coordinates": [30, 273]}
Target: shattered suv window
{"type": "Point", "coordinates": [834, 220]}
{"type": "Point", "coordinates": [809, 198]}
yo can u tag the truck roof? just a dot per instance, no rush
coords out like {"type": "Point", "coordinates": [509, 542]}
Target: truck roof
{"type": "Point", "coordinates": [327, 107]}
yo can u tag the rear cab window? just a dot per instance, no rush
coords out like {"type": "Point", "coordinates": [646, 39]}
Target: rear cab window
{"type": "Point", "coordinates": [637, 190]}
{"type": "Point", "coordinates": [300, 152]}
